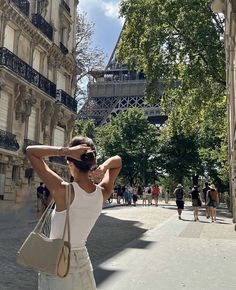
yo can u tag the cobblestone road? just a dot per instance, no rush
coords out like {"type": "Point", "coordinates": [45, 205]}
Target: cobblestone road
{"type": "Point", "coordinates": [116, 227]}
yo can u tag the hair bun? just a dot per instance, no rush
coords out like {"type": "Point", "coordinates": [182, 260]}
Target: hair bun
{"type": "Point", "coordinates": [88, 157]}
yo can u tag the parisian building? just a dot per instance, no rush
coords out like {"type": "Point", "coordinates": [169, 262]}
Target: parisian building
{"type": "Point", "coordinates": [37, 80]}
{"type": "Point", "coordinates": [230, 46]}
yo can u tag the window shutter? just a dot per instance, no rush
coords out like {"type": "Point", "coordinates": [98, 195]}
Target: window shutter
{"type": "Point", "coordinates": [4, 103]}
{"type": "Point", "coordinates": [32, 124]}
{"type": "Point", "coordinates": [59, 136]}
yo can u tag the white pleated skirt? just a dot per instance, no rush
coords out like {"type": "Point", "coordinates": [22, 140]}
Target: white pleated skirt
{"type": "Point", "coordinates": [80, 276]}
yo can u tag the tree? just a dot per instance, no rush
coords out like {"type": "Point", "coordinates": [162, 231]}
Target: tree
{"type": "Point", "coordinates": [88, 57]}
{"type": "Point", "coordinates": [131, 136]}
{"type": "Point", "coordinates": [180, 46]}
{"type": "Point", "coordinates": [174, 40]}
{"type": "Point", "coordinates": [85, 128]}
{"type": "Point", "coordinates": [179, 156]}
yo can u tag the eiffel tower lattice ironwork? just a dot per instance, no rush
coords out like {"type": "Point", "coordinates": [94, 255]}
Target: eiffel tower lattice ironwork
{"type": "Point", "coordinates": [117, 89]}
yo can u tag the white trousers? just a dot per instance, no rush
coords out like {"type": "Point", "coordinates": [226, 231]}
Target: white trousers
{"type": "Point", "coordinates": [80, 276]}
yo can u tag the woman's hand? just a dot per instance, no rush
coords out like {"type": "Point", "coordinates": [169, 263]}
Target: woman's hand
{"type": "Point", "coordinates": [98, 174]}
{"type": "Point", "coordinates": [75, 152]}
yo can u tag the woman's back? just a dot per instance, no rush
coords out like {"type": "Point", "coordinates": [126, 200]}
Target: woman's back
{"type": "Point", "coordinates": [84, 211]}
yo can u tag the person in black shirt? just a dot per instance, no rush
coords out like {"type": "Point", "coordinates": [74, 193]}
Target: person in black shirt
{"type": "Point", "coordinates": [205, 190]}
{"type": "Point", "coordinates": [46, 197]}
{"type": "Point", "coordinates": [196, 201]}
{"type": "Point", "coordinates": [40, 192]}
{"type": "Point", "coordinates": [179, 195]}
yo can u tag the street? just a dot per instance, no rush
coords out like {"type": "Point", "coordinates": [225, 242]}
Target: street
{"type": "Point", "coordinates": [137, 248]}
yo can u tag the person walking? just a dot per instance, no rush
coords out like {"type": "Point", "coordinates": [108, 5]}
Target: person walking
{"type": "Point", "coordinates": [204, 191]}
{"type": "Point", "coordinates": [145, 195]}
{"type": "Point", "coordinates": [212, 201]}
{"type": "Point", "coordinates": [40, 192]}
{"type": "Point", "coordinates": [195, 201]}
{"type": "Point", "coordinates": [167, 193]}
{"type": "Point", "coordinates": [155, 193]}
{"type": "Point", "coordinates": [179, 196]}
{"type": "Point", "coordinates": [86, 203]}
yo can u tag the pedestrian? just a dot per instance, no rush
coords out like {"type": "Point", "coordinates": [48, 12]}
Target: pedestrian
{"type": "Point", "coordinates": [196, 201]}
{"type": "Point", "coordinates": [204, 191]}
{"type": "Point", "coordinates": [212, 201]}
{"type": "Point", "coordinates": [135, 195]}
{"type": "Point", "coordinates": [119, 193]}
{"type": "Point", "coordinates": [155, 193]}
{"type": "Point", "coordinates": [179, 195]}
{"type": "Point", "coordinates": [167, 194]}
{"type": "Point", "coordinates": [149, 195]}
{"type": "Point", "coordinates": [139, 192]}
{"type": "Point", "coordinates": [145, 195]}
{"type": "Point", "coordinates": [40, 190]}
{"type": "Point", "coordinates": [46, 197]}
{"type": "Point", "coordinates": [87, 199]}
{"type": "Point", "coordinates": [130, 194]}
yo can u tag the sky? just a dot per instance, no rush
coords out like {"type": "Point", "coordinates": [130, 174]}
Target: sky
{"type": "Point", "coordinates": [105, 15]}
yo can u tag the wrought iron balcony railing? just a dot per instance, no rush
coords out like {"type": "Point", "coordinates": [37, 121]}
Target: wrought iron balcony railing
{"type": "Point", "coordinates": [21, 68]}
{"type": "Point", "coordinates": [66, 100]}
{"type": "Point", "coordinates": [63, 49]}
{"type": "Point", "coordinates": [58, 159]}
{"type": "Point", "coordinates": [66, 6]}
{"type": "Point", "coordinates": [23, 5]}
{"type": "Point", "coordinates": [8, 141]}
{"type": "Point", "coordinates": [42, 25]}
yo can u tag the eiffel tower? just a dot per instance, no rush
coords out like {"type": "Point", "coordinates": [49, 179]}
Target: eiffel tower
{"type": "Point", "coordinates": [116, 89]}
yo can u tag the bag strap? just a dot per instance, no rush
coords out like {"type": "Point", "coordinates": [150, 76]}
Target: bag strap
{"type": "Point", "coordinates": [41, 222]}
{"type": "Point", "coordinates": [67, 220]}
{"type": "Point", "coordinates": [42, 219]}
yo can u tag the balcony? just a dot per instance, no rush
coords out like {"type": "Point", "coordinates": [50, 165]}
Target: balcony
{"type": "Point", "coordinates": [42, 25]}
{"type": "Point", "coordinates": [66, 6]}
{"type": "Point", "coordinates": [22, 69]}
{"type": "Point", "coordinates": [8, 141]}
{"type": "Point", "coordinates": [66, 100]}
{"type": "Point", "coordinates": [63, 49]}
{"type": "Point", "coordinates": [23, 5]}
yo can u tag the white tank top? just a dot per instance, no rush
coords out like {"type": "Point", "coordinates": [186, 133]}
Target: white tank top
{"type": "Point", "coordinates": [84, 211]}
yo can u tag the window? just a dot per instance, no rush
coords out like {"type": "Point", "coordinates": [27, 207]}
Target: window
{"type": "Point", "coordinates": [15, 173]}
{"type": "Point", "coordinates": [9, 38]}
{"type": "Point", "coordinates": [61, 81]}
{"type": "Point", "coordinates": [32, 124]}
{"type": "Point", "coordinates": [36, 60]}
{"type": "Point", "coordinates": [4, 104]}
{"type": "Point", "coordinates": [59, 136]}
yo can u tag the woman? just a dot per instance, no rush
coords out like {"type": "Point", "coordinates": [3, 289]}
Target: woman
{"type": "Point", "coordinates": [86, 204]}
{"type": "Point", "coordinates": [195, 201]}
{"type": "Point", "coordinates": [212, 201]}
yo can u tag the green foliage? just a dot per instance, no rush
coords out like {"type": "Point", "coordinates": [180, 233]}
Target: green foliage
{"type": "Point", "coordinates": [85, 128]}
{"type": "Point", "coordinates": [131, 136]}
{"type": "Point", "coordinates": [179, 44]}
{"type": "Point", "coordinates": [179, 156]}
{"type": "Point", "coordinates": [173, 40]}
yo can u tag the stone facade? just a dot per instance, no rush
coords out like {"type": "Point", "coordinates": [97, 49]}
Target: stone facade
{"type": "Point", "coordinates": [228, 7]}
{"type": "Point", "coordinates": [37, 81]}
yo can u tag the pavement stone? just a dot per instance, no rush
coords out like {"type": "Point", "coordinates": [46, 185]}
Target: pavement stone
{"type": "Point", "coordinates": [126, 238]}
{"type": "Point", "coordinates": [177, 254]}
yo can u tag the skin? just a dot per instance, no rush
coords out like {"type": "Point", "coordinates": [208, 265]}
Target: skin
{"type": "Point", "coordinates": [106, 172]}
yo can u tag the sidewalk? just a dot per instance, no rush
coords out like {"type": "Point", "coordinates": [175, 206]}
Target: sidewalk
{"type": "Point", "coordinates": [178, 254]}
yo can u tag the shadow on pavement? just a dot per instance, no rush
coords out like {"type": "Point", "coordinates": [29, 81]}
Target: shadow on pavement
{"type": "Point", "coordinates": [108, 238]}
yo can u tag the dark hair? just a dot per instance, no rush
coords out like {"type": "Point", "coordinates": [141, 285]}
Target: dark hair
{"type": "Point", "coordinates": [88, 160]}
